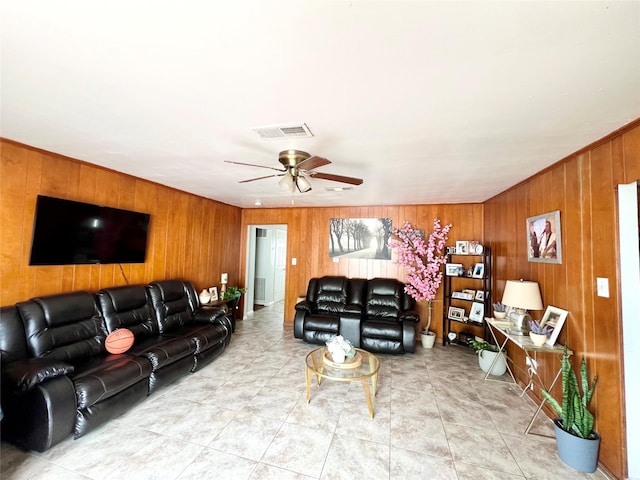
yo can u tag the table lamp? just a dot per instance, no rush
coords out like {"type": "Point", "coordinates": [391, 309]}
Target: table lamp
{"type": "Point", "coordinates": [521, 295]}
{"type": "Point", "coordinates": [224, 278]}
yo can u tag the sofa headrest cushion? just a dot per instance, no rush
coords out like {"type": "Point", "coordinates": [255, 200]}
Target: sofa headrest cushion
{"type": "Point", "coordinates": [171, 289]}
{"type": "Point", "coordinates": [13, 345]}
{"type": "Point", "coordinates": [127, 298]}
{"type": "Point", "coordinates": [66, 308]}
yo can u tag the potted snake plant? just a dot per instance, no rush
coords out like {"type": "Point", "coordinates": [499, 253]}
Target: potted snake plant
{"type": "Point", "coordinates": [578, 444]}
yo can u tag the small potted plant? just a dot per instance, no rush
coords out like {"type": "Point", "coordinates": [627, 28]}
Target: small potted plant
{"type": "Point", "coordinates": [499, 310]}
{"type": "Point", "coordinates": [487, 354]}
{"type": "Point", "coordinates": [231, 296]}
{"type": "Point", "coordinates": [578, 444]}
{"type": "Point", "coordinates": [538, 333]}
{"type": "Point", "coordinates": [233, 292]}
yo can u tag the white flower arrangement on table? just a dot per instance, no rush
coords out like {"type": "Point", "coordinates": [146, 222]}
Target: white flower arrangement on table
{"type": "Point", "coordinates": [340, 348]}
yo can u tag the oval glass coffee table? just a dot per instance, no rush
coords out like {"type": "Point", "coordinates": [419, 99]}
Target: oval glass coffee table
{"type": "Point", "coordinates": [366, 372]}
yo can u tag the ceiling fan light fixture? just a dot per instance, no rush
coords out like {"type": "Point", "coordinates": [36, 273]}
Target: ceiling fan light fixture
{"type": "Point", "coordinates": [287, 183]}
{"type": "Point", "coordinates": [303, 184]}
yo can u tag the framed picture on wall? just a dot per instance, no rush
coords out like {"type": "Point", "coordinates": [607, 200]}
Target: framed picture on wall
{"type": "Point", "coordinates": [544, 238]}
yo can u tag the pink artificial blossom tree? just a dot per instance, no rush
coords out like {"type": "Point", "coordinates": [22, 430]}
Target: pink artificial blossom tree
{"type": "Point", "coordinates": [422, 260]}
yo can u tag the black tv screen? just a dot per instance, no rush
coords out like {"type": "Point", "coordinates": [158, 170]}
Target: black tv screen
{"type": "Point", "coordinates": [67, 232]}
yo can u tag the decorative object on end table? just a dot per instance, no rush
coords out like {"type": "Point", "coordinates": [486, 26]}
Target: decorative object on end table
{"type": "Point", "coordinates": [340, 349]}
{"type": "Point", "coordinates": [499, 310]}
{"type": "Point", "coordinates": [231, 297]}
{"type": "Point", "coordinates": [521, 296]}
{"type": "Point", "coordinates": [487, 354]}
{"type": "Point", "coordinates": [578, 444]}
{"type": "Point", "coordinates": [553, 320]}
{"type": "Point", "coordinates": [204, 296]}
{"type": "Point", "coordinates": [423, 262]}
{"type": "Point", "coordinates": [538, 333]}
{"type": "Point", "coordinates": [213, 291]}
{"type": "Point", "coordinates": [233, 292]}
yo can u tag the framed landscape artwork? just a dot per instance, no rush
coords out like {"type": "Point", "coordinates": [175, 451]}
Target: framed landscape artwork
{"type": "Point", "coordinates": [360, 238]}
{"type": "Point", "coordinates": [544, 238]}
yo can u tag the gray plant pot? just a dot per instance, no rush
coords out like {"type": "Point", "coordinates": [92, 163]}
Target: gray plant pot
{"type": "Point", "coordinates": [579, 453]}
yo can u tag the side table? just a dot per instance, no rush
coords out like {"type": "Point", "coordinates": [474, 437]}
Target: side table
{"type": "Point", "coordinates": [531, 352]}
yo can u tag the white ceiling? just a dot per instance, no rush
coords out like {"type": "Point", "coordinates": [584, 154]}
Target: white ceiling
{"type": "Point", "coordinates": [428, 102]}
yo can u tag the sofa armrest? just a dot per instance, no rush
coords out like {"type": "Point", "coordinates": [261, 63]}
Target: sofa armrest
{"type": "Point", "coordinates": [303, 306]}
{"type": "Point", "coordinates": [24, 375]}
{"type": "Point", "coordinates": [410, 315]}
{"type": "Point", "coordinates": [210, 313]}
{"type": "Point", "coordinates": [353, 309]}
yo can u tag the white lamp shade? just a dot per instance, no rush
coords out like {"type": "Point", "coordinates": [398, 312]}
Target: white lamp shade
{"type": "Point", "coordinates": [287, 183]}
{"type": "Point", "coordinates": [303, 184]}
{"type": "Point", "coordinates": [522, 294]}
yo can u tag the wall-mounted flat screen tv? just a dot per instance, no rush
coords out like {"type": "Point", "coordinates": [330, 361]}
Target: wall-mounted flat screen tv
{"type": "Point", "coordinates": [67, 232]}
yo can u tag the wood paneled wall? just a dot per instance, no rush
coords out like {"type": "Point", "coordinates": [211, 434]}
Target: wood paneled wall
{"type": "Point", "coordinates": [584, 188]}
{"type": "Point", "coordinates": [308, 242]}
{"type": "Point", "coordinates": [190, 237]}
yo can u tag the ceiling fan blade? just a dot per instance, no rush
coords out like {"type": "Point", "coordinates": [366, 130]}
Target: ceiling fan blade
{"type": "Point", "coordinates": [337, 178]}
{"type": "Point", "coordinates": [312, 162]}
{"type": "Point", "coordinates": [261, 178]}
{"type": "Point", "coordinates": [254, 165]}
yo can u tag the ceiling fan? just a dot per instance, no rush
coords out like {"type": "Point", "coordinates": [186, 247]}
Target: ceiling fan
{"type": "Point", "coordinates": [299, 165]}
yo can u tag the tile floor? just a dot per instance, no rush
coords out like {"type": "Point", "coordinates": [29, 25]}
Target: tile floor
{"type": "Point", "coordinates": [245, 416]}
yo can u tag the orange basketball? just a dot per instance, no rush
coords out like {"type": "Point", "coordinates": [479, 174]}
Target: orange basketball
{"type": "Point", "coordinates": [119, 341]}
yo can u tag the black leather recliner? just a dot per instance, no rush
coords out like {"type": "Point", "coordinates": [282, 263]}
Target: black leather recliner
{"type": "Point", "coordinates": [333, 306]}
{"type": "Point", "coordinates": [376, 315]}
{"type": "Point", "coordinates": [178, 313]}
{"type": "Point", "coordinates": [65, 337]}
{"type": "Point", "coordinates": [389, 319]}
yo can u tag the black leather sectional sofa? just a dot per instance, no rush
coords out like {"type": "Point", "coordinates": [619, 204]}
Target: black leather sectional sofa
{"type": "Point", "coordinates": [57, 378]}
{"type": "Point", "coordinates": [376, 315]}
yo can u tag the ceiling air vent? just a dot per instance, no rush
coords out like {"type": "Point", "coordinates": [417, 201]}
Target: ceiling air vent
{"type": "Point", "coordinates": [282, 131]}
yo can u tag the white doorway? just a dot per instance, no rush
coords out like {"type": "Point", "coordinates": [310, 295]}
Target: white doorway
{"type": "Point", "coordinates": [628, 212]}
{"type": "Point", "coordinates": [266, 266]}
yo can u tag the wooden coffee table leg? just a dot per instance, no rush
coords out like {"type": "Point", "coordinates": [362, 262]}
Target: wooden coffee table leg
{"type": "Point", "coordinates": [367, 394]}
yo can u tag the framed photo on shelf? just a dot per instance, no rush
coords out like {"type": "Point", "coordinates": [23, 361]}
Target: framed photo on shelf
{"type": "Point", "coordinates": [480, 295]}
{"type": "Point", "coordinates": [453, 269]}
{"type": "Point", "coordinates": [461, 296]}
{"type": "Point", "coordinates": [477, 312]}
{"type": "Point", "coordinates": [456, 313]}
{"type": "Point", "coordinates": [544, 239]}
{"type": "Point", "coordinates": [462, 247]}
{"type": "Point", "coordinates": [478, 270]}
{"type": "Point", "coordinates": [553, 318]}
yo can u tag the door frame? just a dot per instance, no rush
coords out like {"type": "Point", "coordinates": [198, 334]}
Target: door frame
{"type": "Point", "coordinates": [250, 263]}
